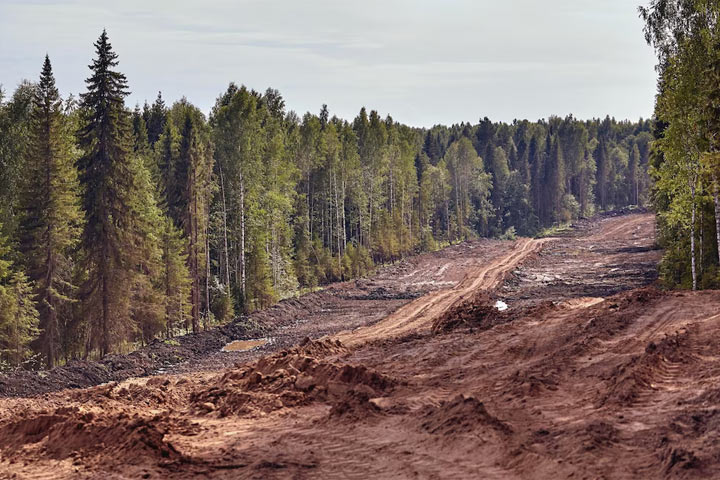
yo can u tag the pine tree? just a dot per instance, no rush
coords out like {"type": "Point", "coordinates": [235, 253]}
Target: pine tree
{"type": "Point", "coordinates": [144, 253]}
{"type": "Point", "coordinates": [555, 180]}
{"type": "Point", "coordinates": [602, 161]}
{"type": "Point", "coordinates": [15, 122]}
{"type": "Point", "coordinates": [537, 165]}
{"type": "Point", "coordinates": [51, 215]}
{"type": "Point", "coordinates": [634, 175]}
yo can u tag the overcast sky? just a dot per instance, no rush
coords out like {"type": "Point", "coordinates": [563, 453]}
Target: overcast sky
{"type": "Point", "coordinates": [424, 62]}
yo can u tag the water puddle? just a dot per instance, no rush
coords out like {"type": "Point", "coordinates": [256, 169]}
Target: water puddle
{"type": "Point", "coordinates": [243, 345]}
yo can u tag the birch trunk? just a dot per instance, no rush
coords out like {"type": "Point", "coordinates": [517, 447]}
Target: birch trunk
{"type": "Point", "coordinates": [242, 238]}
{"type": "Point", "coordinates": [692, 238]}
{"type": "Point", "coordinates": [225, 238]}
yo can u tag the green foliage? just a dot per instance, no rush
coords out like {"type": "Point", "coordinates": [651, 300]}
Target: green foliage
{"type": "Point", "coordinates": [509, 234]}
{"type": "Point", "coordinates": [684, 156]}
{"type": "Point", "coordinates": [260, 292]}
{"type": "Point", "coordinates": [175, 279]}
{"type": "Point", "coordinates": [50, 218]}
{"type": "Point", "coordinates": [357, 262]}
{"type": "Point", "coordinates": [15, 124]}
{"type": "Point", "coordinates": [118, 243]}
{"type": "Point", "coordinates": [18, 315]}
{"type": "Point", "coordinates": [222, 308]}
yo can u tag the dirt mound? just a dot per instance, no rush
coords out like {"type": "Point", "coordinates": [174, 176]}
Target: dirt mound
{"type": "Point", "coordinates": [680, 463]}
{"type": "Point", "coordinates": [72, 432]}
{"type": "Point", "coordinates": [598, 435]}
{"type": "Point", "coordinates": [382, 293]}
{"type": "Point", "coordinates": [462, 414]}
{"type": "Point", "coordinates": [293, 377]}
{"type": "Point", "coordinates": [571, 387]}
{"type": "Point", "coordinates": [479, 312]}
{"type": "Point", "coordinates": [529, 384]}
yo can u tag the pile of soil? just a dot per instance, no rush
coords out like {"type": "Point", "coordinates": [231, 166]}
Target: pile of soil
{"type": "Point", "coordinates": [293, 378]}
{"type": "Point", "coordinates": [621, 386]}
{"type": "Point", "coordinates": [478, 312]}
{"type": "Point", "coordinates": [463, 414]}
{"type": "Point", "coordinates": [73, 432]}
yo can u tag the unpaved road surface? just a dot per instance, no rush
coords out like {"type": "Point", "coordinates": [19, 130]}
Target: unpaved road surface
{"type": "Point", "coordinates": [602, 257]}
{"type": "Point", "coordinates": [590, 384]}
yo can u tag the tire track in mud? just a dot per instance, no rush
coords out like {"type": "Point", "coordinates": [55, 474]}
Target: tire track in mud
{"type": "Point", "coordinates": [417, 316]}
{"type": "Point", "coordinates": [623, 227]}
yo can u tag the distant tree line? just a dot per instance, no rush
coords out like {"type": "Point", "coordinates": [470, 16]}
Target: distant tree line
{"type": "Point", "coordinates": [122, 226]}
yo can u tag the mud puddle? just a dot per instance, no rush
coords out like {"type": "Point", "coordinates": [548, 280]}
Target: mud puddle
{"type": "Point", "coordinates": [244, 345]}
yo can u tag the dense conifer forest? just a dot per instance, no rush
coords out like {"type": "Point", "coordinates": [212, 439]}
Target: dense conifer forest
{"type": "Point", "coordinates": [119, 225]}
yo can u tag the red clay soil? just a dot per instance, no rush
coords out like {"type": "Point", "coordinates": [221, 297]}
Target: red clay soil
{"type": "Point", "coordinates": [625, 386]}
{"type": "Point", "coordinates": [596, 258]}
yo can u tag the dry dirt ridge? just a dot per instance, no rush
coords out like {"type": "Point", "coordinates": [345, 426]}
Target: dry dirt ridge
{"type": "Point", "coordinates": [624, 386]}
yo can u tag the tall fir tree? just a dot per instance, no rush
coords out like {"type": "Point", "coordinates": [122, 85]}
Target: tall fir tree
{"type": "Point", "coordinates": [188, 198]}
{"type": "Point", "coordinates": [155, 117]}
{"type": "Point", "coordinates": [107, 178]}
{"type": "Point", "coordinates": [51, 216]}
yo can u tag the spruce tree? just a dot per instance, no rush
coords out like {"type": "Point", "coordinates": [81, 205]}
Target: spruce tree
{"type": "Point", "coordinates": [107, 177]}
{"type": "Point", "coordinates": [51, 216]}
{"type": "Point", "coordinates": [555, 180]}
{"type": "Point", "coordinates": [188, 198]}
{"type": "Point", "coordinates": [634, 175]}
{"type": "Point", "coordinates": [155, 118]}
{"type": "Point", "coordinates": [537, 165]}
{"type": "Point", "coordinates": [602, 161]}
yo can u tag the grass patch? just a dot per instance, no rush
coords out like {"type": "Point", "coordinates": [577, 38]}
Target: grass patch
{"type": "Point", "coordinates": [555, 231]}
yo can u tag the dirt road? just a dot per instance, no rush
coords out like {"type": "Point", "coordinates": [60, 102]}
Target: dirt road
{"type": "Point", "coordinates": [417, 317]}
{"type": "Point", "coordinates": [589, 385]}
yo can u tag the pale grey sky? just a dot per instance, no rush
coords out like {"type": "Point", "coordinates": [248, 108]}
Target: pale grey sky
{"type": "Point", "coordinates": [424, 62]}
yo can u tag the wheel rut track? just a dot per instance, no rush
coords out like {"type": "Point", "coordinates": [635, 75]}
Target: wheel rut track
{"type": "Point", "coordinates": [418, 315]}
